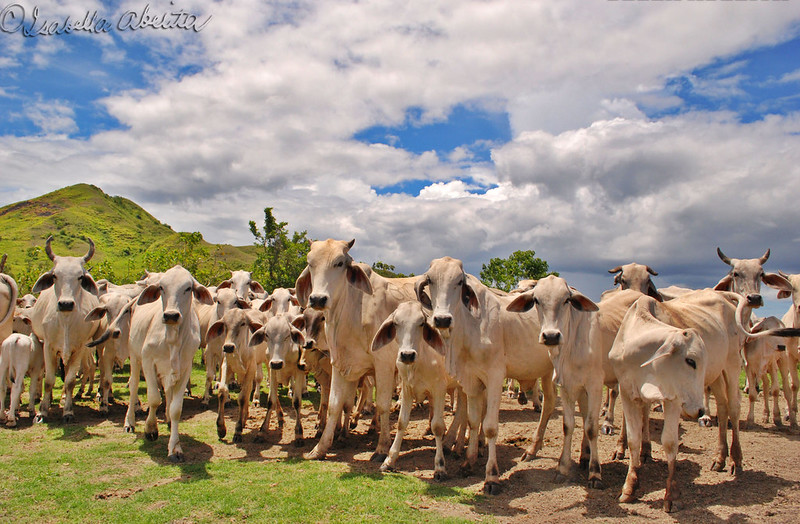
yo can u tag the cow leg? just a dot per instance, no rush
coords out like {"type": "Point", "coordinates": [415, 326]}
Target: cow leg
{"type": "Point", "coordinates": [324, 384]}
{"type": "Point", "coordinates": [705, 420]}
{"type": "Point", "coordinates": [783, 366]}
{"type": "Point", "coordinates": [50, 367]}
{"type": "Point", "coordinates": [153, 401]}
{"type": "Point", "coordinates": [297, 403]}
{"type": "Point", "coordinates": [175, 408]}
{"type": "Point", "coordinates": [775, 390]}
{"type": "Point", "coordinates": [340, 390]}
{"type": "Point", "coordinates": [722, 415]}
{"type": "Point", "coordinates": [222, 396]}
{"type": "Point", "coordinates": [72, 367]}
{"type": "Point", "coordinates": [438, 427]}
{"type": "Point", "coordinates": [752, 394]}
{"type": "Point", "coordinates": [406, 403]}
{"type": "Point", "coordinates": [568, 411]}
{"type": "Point", "coordinates": [212, 363]}
{"type": "Point", "coordinates": [733, 404]}
{"type": "Point", "coordinates": [795, 379]}
{"type": "Point", "coordinates": [244, 403]}
{"type": "Point", "coordinates": [133, 393]}
{"type": "Point", "coordinates": [384, 389]}
{"type": "Point", "coordinates": [475, 393]}
{"type": "Point", "coordinates": [669, 442]}
{"type": "Point", "coordinates": [633, 428]}
{"type": "Point", "coordinates": [548, 406]}
{"type": "Point", "coordinates": [491, 425]}
{"type": "Point", "coordinates": [647, 445]}
{"type": "Point", "coordinates": [454, 438]}
{"type": "Point", "coordinates": [608, 416]}
{"type": "Point", "coordinates": [106, 364]}
{"type": "Point", "coordinates": [5, 372]}
{"type": "Point", "coordinates": [258, 380]}
{"type": "Point", "coordinates": [272, 402]}
{"type": "Point", "coordinates": [36, 371]}
{"type": "Point", "coordinates": [16, 393]}
{"type": "Point", "coordinates": [590, 409]}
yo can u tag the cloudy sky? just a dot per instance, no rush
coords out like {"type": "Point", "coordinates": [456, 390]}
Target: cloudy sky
{"type": "Point", "coordinates": [595, 132]}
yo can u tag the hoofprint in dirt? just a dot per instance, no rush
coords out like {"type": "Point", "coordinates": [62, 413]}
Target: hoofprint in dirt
{"type": "Point", "coordinates": [767, 491]}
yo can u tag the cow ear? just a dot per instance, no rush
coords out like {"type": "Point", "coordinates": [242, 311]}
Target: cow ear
{"type": "Point", "coordinates": [297, 336]}
{"type": "Point", "coordinates": [433, 338]}
{"type": "Point", "coordinates": [87, 283]}
{"type": "Point", "coordinates": [581, 302]}
{"type": "Point", "coordinates": [45, 281]}
{"type": "Point", "coordinates": [666, 349]}
{"type": "Point", "coordinates": [102, 286]}
{"type": "Point", "coordinates": [303, 286]}
{"type": "Point", "coordinates": [359, 279]}
{"type": "Point", "coordinates": [257, 338]}
{"type": "Point", "coordinates": [96, 314]}
{"type": "Point", "coordinates": [419, 289]}
{"type": "Point", "coordinates": [293, 300]}
{"type": "Point", "coordinates": [618, 278]}
{"type": "Point", "coordinates": [299, 322]}
{"type": "Point", "coordinates": [784, 294]}
{"type": "Point", "coordinates": [150, 294]}
{"type": "Point", "coordinates": [242, 303]}
{"type": "Point", "coordinates": [724, 284]}
{"type": "Point", "coordinates": [776, 281]}
{"type": "Point", "coordinates": [202, 294]}
{"type": "Point", "coordinates": [651, 392]}
{"type": "Point", "coordinates": [225, 284]}
{"type": "Point", "coordinates": [254, 326]}
{"type": "Point", "coordinates": [385, 334]}
{"type": "Point", "coordinates": [255, 287]}
{"type": "Point", "coordinates": [522, 303]}
{"type": "Point", "coordinates": [653, 292]}
{"type": "Point", "coordinates": [266, 305]}
{"type": "Point", "coordinates": [470, 299]}
{"type": "Point", "coordinates": [215, 330]}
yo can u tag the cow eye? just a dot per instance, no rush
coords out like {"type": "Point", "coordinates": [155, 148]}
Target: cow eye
{"type": "Point", "coordinates": [340, 264]}
{"type": "Point", "coordinates": [735, 273]}
{"type": "Point", "coordinates": [692, 363]}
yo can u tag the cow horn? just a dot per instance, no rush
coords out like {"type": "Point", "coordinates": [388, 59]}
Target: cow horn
{"type": "Point", "coordinates": [350, 244]}
{"type": "Point", "coordinates": [3, 262]}
{"type": "Point", "coordinates": [615, 270]}
{"type": "Point", "coordinates": [48, 249]}
{"type": "Point", "coordinates": [784, 275]}
{"type": "Point", "coordinates": [764, 258]}
{"type": "Point", "coordinates": [419, 288]}
{"type": "Point", "coordinates": [90, 253]}
{"type": "Point", "coordinates": [652, 271]}
{"type": "Point", "coordinates": [723, 257]}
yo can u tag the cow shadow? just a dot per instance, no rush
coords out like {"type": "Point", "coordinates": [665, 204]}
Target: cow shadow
{"type": "Point", "coordinates": [197, 454]}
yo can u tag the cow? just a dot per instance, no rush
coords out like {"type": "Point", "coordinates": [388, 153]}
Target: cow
{"type": "Point", "coordinates": [163, 340]}
{"type": "Point", "coordinates": [565, 318]}
{"type": "Point", "coordinates": [355, 301]}
{"type": "Point", "coordinates": [67, 293]}
{"type": "Point", "coordinates": [420, 364]}
{"type": "Point", "coordinates": [317, 360]}
{"type": "Point", "coordinates": [20, 355]}
{"type": "Point", "coordinates": [485, 344]}
{"type": "Point", "coordinates": [233, 330]}
{"type": "Point", "coordinates": [283, 341]}
{"type": "Point", "coordinates": [656, 362]}
{"type": "Point", "coordinates": [634, 276]}
{"type": "Point", "coordinates": [764, 356]}
{"type": "Point", "coordinates": [243, 284]}
{"type": "Point", "coordinates": [792, 319]}
{"type": "Point", "coordinates": [26, 301]}
{"type": "Point", "coordinates": [8, 301]}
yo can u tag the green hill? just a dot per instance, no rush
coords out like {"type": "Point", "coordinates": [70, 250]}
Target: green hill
{"type": "Point", "coordinates": [127, 238]}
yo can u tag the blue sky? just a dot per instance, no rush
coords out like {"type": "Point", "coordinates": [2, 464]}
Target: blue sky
{"type": "Point", "coordinates": [595, 133]}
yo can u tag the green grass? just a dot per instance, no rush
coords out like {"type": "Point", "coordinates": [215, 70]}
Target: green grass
{"type": "Point", "coordinates": [92, 471]}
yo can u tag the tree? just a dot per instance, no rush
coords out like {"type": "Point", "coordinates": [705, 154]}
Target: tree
{"type": "Point", "coordinates": [387, 270]}
{"type": "Point", "coordinates": [505, 273]}
{"type": "Point", "coordinates": [280, 259]}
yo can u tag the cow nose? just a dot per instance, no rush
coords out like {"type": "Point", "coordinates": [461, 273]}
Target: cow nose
{"type": "Point", "coordinates": [66, 305]}
{"type": "Point", "coordinates": [276, 364]}
{"type": "Point", "coordinates": [309, 344]}
{"type": "Point", "coordinates": [755, 300]}
{"type": "Point", "coordinates": [442, 321]}
{"type": "Point", "coordinates": [171, 317]}
{"type": "Point", "coordinates": [408, 357]}
{"type": "Point", "coordinates": [550, 338]}
{"type": "Point", "coordinates": [317, 301]}
{"type": "Point", "coordinates": [116, 333]}
{"type": "Point", "coordinates": [228, 348]}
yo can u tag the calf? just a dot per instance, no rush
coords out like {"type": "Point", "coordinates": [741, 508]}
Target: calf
{"type": "Point", "coordinates": [20, 355]}
{"type": "Point", "coordinates": [420, 364]}
{"type": "Point", "coordinates": [656, 362]}
{"type": "Point", "coordinates": [763, 356]}
{"type": "Point", "coordinates": [8, 301]}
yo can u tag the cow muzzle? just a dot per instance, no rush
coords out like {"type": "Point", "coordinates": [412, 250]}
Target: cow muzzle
{"type": "Point", "coordinates": [550, 338]}
{"type": "Point", "coordinates": [309, 344]}
{"type": "Point", "coordinates": [318, 301]}
{"type": "Point", "coordinates": [276, 364]}
{"type": "Point", "coordinates": [228, 348]}
{"type": "Point", "coordinates": [171, 317]}
{"type": "Point", "coordinates": [408, 357]}
{"type": "Point", "coordinates": [442, 321]}
{"type": "Point", "coordinates": [116, 333]}
{"type": "Point", "coordinates": [755, 300]}
{"type": "Point", "coordinates": [66, 305]}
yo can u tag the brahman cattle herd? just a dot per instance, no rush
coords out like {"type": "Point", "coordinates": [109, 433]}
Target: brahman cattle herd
{"type": "Point", "coordinates": [441, 334]}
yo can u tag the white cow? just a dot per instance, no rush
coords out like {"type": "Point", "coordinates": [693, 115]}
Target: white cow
{"type": "Point", "coordinates": [420, 364]}
{"type": "Point", "coordinates": [657, 362]}
{"type": "Point", "coordinates": [762, 358]}
{"type": "Point", "coordinates": [634, 276]}
{"type": "Point", "coordinates": [20, 355]}
{"type": "Point", "coordinates": [8, 301]}
{"type": "Point", "coordinates": [792, 319]}
{"type": "Point", "coordinates": [243, 284]}
{"type": "Point", "coordinates": [67, 294]}
{"type": "Point", "coordinates": [485, 344]}
{"type": "Point", "coordinates": [355, 301]}
{"type": "Point", "coordinates": [565, 319]}
{"type": "Point", "coordinates": [164, 338]}
{"type": "Point", "coordinates": [316, 358]}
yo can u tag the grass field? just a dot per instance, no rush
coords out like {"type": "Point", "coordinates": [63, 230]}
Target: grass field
{"type": "Point", "coordinates": [91, 471]}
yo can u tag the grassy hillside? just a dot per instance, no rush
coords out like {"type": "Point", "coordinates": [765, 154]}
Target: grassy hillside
{"type": "Point", "coordinates": [122, 231]}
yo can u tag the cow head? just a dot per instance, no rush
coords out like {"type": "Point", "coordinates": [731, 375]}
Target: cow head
{"type": "Point", "coordinates": [243, 284]}
{"type": "Point", "coordinates": [175, 288]}
{"type": "Point", "coordinates": [313, 328]}
{"type": "Point", "coordinates": [445, 288]}
{"type": "Point", "coordinates": [329, 271]}
{"type": "Point", "coordinates": [794, 294]}
{"type": "Point", "coordinates": [283, 341]}
{"type": "Point", "coordinates": [236, 326]}
{"type": "Point", "coordinates": [67, 278]}
{"type": "Point", "coordinates": [553, 299]}
{"type": "Point", "coordinates": [636, 276]}
{"type": "Point", "coordinates": [279, 301]}
{"type": "Point", "coordinates": [746, 276]}
{"type": "Point", "coordinates": [409, 325]}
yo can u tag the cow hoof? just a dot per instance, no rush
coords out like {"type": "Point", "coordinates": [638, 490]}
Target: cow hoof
{"type": "Point", "coordinates": [439, 476]}
{"type": "Point", "coordinates": [299, 442]}
{"type": "Point", "coordinates": [177, 457]}
{"type": "Point", "coordinates": [718, 466]}
{"type": "Point", "coordinates": [618, 455]}
{"type": "Point", "coordinates": [385, 468]}
{"type": "Point", "coordinates": [68, 419]}
{"type": "Point", "coordinates": [658, 408]}
{"type": "Point", "coordinates": [537, 408]}
{"type": "Point", "coordinates": [558, 478]}
{"type": "Point", "coordinates": [491, 488]}
{"type": "Point", "coordinates": [522, 399]}
{"type": "Point", "coordinates": [353, 424]}
{"type": "Point", "coordinates": [705, 421]}
{"type": "Point", "coordinates": [607, 429]}
{"type": "Point", "coordinates": [527, 456]}
{"type": "Point", "coordinates": [736, 470]}
{"type": "Point", "coordinates": [128, 429]}
{"type": "Point", "coordinates": [627, 498]}
{"type": "Point", "coordinates": [39, 419]}
{"type": "Point", "coordinates": [151, 435]}
{"type": "Point", "coordinates": [259, 439]}
{"type": "Point", "coordinates": [11, 424]}
{"type": "Point", "coordinates": [315, 455]}
{"type": "Point", "coordinates": [668, 506]}
{"type": "Point", "coordinates": [596, 484]}
{"type": "Point", "coordinates": [204, 403]}
{"type": "Point", "coordinates": [378, 457]}
{"type": "Point", "coordinates": [221, 432]}
{"type": "Point", "coordinates": [237, 437]}
{"type": "Point", "coordinates": [645, 457]}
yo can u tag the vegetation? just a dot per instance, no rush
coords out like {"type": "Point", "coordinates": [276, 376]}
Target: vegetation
{"type": "Point", "coordinates": [279, 259]}
{"type": "Point", "coordinates": [387, 270]}
{"type": "Point", "coordinates": [505, 273]}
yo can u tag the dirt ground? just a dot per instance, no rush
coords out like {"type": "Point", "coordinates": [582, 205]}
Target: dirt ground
{"type": "Point", "coordinates": [767, 490]}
